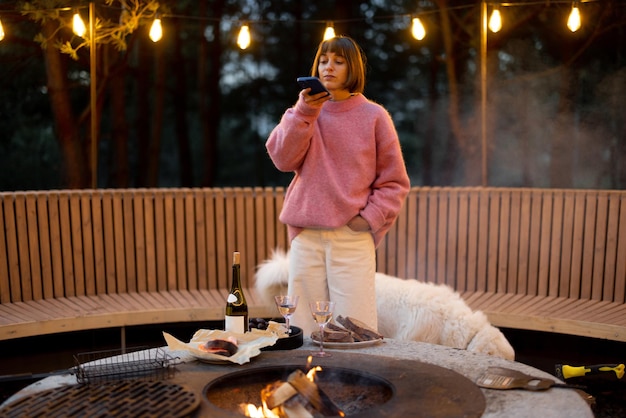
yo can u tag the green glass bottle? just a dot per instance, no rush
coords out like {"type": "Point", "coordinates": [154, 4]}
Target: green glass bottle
{"type": "Point", "coordinates": [236, 318]}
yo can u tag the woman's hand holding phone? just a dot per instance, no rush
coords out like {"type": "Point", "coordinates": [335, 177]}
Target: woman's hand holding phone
{"type": "Point", "coordinates": [315, 94]}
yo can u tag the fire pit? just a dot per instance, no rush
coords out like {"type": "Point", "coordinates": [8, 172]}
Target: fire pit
{"type": "Point", "coordinates": [374, 387]}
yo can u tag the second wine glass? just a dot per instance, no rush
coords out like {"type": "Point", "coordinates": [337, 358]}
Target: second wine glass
{"type": "Point", "coordinates": [322, 311]}
{"type": "Point", "coordinates": [287, 305]}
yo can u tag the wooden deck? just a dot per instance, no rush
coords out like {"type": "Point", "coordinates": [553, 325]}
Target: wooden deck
{"type": "Point", "coordinates": [541, 259]}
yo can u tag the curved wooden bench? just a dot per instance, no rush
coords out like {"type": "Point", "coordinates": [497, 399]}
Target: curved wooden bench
{"type": "Point", "coordinates": [88, 259]}
{"type": "Point", "coordinates": [537, 259]}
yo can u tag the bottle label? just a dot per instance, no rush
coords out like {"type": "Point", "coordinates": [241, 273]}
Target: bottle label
{"type": "Point", "coordinates": [235, 324]}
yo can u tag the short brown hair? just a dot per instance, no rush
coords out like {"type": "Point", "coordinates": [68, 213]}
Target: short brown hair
{"type": "Point", "coordinates": [351, 51]}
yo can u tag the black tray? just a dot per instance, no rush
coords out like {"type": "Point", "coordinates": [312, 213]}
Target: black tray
{"type": "Point", "coordinates": [288, 343]}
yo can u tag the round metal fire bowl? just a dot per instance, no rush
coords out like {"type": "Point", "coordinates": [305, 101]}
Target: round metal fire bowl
{"type": "Point", "coordinates": [416, 389]}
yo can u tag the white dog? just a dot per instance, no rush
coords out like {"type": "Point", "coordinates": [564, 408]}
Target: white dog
{"type": "Point", "coordinates": [409, 310]}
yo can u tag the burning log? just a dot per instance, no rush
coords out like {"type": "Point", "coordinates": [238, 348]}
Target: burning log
{"type": "Point", "coordinates": [283, 395]}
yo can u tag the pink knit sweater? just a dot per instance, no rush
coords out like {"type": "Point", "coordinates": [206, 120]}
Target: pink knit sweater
{"type": "Point", "coordinates": [347, 161]}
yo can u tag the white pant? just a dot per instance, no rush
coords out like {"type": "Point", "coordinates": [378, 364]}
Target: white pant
{"type": "Point", "coordinates": [337, 265]}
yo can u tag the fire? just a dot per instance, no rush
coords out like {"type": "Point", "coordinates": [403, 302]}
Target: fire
{"type": "Point", "coordinates": [290, 398]}
{"type": "Point", "coordinates": [253, 411]}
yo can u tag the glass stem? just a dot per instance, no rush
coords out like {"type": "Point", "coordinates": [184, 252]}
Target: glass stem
{"type": "Point", "coordinates": [322, 338]}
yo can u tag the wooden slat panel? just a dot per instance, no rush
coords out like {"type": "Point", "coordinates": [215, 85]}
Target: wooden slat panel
{"type": "Point", "coordinates": [462, 230]}
{"type": "Point", "coordinates": [512, 278]}
{"type": "Point", "coordinates": [567, 287]}
{"type": "Point", "coordinates": [399, 236]}
{"type": "Point", "coordinates": [544, 243]}
{"type": "Point", "coordinates": [524, 247]}
{"type": "Point", "coordinates": [620, 268]}
{"type": "Point", "coordinates": [281, 229]}
{"type": "Point", "coordinates": [108, 228]}
{"type": "Point", "coordinates": [99, 259]}
{"type": "Point", "coordinates": [150, 241]}
{"type": "Point", "coordinates": [119, 237]}
{"type": "Point", "coordinates": [76, 243]}
{"type": "Point", "coordinates": [169, 224]}
{"type": "Point", "coordinates": [249, 237]}
{"type": "Point", "coordinates": [7, 250]}
{"type": "Point", "coordinates": [504, 242]}
{"type": "Point", "coordinates": [452, 239]}
{"type": "Point", "coordinates": [160, 241]}
{"type": "Point", "coordinates": [201, 240]}
{"type": "Point", "coordinates": [85, 200]}
{"type": "Point", "coordinates": [222, 251]}
{"type": "Point", "coordinates": [139, 213]}
{"type": "Point", "coordinates": [439, 256]}
{"type": "Point", "coordinates": [578, 235]}
{"type": "Point", "coordinates": [599, 248]}
{"type": "Point", "coordinates": [412, 226]}
{"type": "Point", "coordinates": [45, 243]}
{"type": "Point", "coordinates": [556, 240]}
{"type": "Point", "coordinates": [492, 241]}
{"type": "Point", "coordinates": [21, 228]}
{"type": "Point", "coordinates": [588, 245]}
{"type": "Point", "coordinates": [211, 225]}
{"type": "Point", "coordinates": [66, 252]}
{"type": "Point", "coordinates": [473, 241]}
{"type": "Point", "coordinates": [55, 240]}
{"type": "Point", "coordinates": [34, 257]}
{"type": "Point", "coordinates": [610, 290]}
{"type": "Point", "coordinates": [482, 254]}
{"type": "Point", "coordinates": [190, 240]}
{"type": "Point", "coordinates": [128, 235]}
{"type": "Point", "coordinates": [431, 236]}
{"type": "Point", "coordinates": [534, 246]}
{"type": "Point", "coordinates": [180, 239]}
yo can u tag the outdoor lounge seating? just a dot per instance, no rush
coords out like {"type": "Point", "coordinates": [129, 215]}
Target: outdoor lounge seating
{"type": "Point", "coordinates": [540, 259]}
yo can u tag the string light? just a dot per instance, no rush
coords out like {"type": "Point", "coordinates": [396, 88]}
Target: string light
{"type": "Point", "coordinates": [495, 21]}
{"type": "Point", "coordinates": [156, 30]}
{"type": "Point", "coordinates": [78, 25]}
{"type": "Point", "coordinates": [329, 32]}
{"type": "Point", "coordinates": [573, 22]}
{"type": "Point", "coordinates": [243, 39]}
{"type": "Point", "coordinates": [417, 29]}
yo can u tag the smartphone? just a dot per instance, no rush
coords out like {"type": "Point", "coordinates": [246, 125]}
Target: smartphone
{"type": "Point", "coordinates": [313, 82]}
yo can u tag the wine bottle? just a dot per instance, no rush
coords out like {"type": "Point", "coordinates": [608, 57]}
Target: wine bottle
{"type": "Point", "coordinates": [236, 319]}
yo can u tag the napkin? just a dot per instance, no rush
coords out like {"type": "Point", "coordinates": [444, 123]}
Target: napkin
{"type": "Point", "coordinates": [250, 344]}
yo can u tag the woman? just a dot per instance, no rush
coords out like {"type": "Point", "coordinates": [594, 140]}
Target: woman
{"type": "Point", "coordinates": [349, 185]}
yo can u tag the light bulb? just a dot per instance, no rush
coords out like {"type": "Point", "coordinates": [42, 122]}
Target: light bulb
{"type": "Point", "coordinates": [243, 40]}
{"type": "Point", "coordinates": [156, 31]}
{"type": "Point", "coordinates": [329, 33]}
{"type": "Point", "coordinates": [417, 29]}
{"type": "Point", "coordinates": [78, 25]}
{"type": "Point", "coordinates": [1, 31]}
{"type": "Point", "coordinates": [573, 22]}
{"type": "Point", "coordinates": [495, 21]}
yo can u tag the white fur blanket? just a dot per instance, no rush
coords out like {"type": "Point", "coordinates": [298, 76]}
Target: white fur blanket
{"type": "Point", "coordinates": [409, 310]}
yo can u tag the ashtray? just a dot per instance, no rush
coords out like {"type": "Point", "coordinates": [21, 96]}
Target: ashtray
{"type": "Point", "coordinates": [287, 343]}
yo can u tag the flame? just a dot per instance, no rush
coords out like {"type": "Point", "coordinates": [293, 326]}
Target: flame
{"type": "Point", "coordinates": [311, 373]}
{"type": "Point", "coordinates": [252, 411]}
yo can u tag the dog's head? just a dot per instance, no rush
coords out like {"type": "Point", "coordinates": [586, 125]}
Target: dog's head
{"type": "Point", "coordinates": [490, 340]}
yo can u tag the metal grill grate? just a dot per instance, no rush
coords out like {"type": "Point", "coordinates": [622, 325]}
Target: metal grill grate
{"type": "Point", "coordinates": [124, 399]}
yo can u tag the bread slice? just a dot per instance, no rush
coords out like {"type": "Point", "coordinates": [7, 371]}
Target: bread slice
{"type": "Point", "coordinates": [358, 328]}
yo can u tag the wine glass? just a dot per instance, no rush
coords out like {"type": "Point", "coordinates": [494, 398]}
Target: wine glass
{"type": "Point", "coordinates": [322, 311]}
{"type": "Point", "coordinates": [286, 305]}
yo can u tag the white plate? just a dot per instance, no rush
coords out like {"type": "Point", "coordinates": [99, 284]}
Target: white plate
{"type": "Point", "coordinates": [356, 344]}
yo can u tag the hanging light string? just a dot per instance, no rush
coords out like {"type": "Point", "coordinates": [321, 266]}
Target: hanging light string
{"type": "Point", "coordinates": [131, 19]}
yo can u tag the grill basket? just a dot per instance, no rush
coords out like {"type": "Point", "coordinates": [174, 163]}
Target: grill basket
{"type": "Point", "coordinates": [113, 365]}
